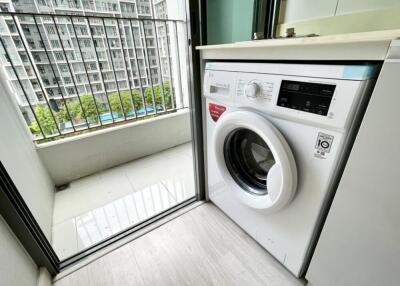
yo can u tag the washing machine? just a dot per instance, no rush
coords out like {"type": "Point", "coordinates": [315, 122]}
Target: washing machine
{"type": "Point", "coordinates": [278, 136]}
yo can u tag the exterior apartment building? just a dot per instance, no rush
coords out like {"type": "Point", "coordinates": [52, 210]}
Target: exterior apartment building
{"type": "Point", "coordinates": [75, 56]}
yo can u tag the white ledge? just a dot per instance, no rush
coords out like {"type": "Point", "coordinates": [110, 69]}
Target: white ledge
{"type": "Point", "coordinates": [354, 46]}
{"type": "Point", "coordinates": [111, 128]}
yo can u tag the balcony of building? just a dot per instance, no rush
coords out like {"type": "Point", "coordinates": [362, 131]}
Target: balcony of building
{"type": "Point", "coordinates": [103, 147]}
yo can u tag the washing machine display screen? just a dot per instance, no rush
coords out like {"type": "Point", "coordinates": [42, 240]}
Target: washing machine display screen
{"type": "Point", "coordinates": [306, 96]}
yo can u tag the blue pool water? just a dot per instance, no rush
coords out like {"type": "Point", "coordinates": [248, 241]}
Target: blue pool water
{"type": "Point", "coordinates": [106, 117]}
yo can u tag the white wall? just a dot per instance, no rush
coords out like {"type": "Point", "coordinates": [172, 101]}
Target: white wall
{"type": "Point", "coordinates": [16, 266]}
{"type": "Point", "coordinates": [359, 244]}
{"type": "Point", "coordinates": [18, 155]}
{"type": "Point", "coordinates": [79, 156]}
{"type": "Point", "coordinates": [301, 10]}
{"type": "Point", "coordinates": [346, 6]}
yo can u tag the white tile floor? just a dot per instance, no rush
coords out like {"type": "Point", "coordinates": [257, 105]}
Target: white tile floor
{"type": "Point", "coordinates": [200, 247]}
{"type": "Point", "coordinates": [98, 206]}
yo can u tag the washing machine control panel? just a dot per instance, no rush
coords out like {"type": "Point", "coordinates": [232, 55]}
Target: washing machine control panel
{"type": "Point", "coordinates": [321, 101]}
{"type": "Point", "coordinates": [306, 96]}
{"type": "Point", "coordinates": [318, 94]}
{"type": "Point", "coordinates": [254, 89]}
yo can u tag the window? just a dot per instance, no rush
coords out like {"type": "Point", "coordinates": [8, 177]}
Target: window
{"type": "Point", "coordinates": [51, 30]}
{"type": "Point", "coordinates": [71, 56]}
{"type": "Point", "coordinates": [26, 30]}
{"type": "Point", "coordinates": [86, 43]}
{"type": "Point", "coordinates": [63, 68]}
{"type": "Point", "coordinates": [67, 44]}
{"type": "Point", "coordinates": [31, 44]}
{"type": "Point", "coordinates": [70, 91]}
{"type": "Point", "coordinates": [24, 58]}
{"type": "Point", "coordinates": [41, 69]}
{"type": "Point", "coordinates": [12, 28]}
{"type": "Point", "coordinates": [59, 56]}
{"type": "Point", "coordinates": [62, 30]}
{"type": "Point", "coordinates": [97, 87]}
{"type": "Point", "coordinates": [91, 66]}
{"type": "Point", "coordinates": [29, 71]}
{"type": "Point", "coordinates": [55, 43]}
{"type": "Point", "coordinates": [37, 58]}
{"type": "Point", "coordinates": [83, 31]}
{"type": "Point", "coordinates": [150, 42]}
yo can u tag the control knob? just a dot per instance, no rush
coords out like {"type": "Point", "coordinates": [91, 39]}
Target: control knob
{"type": "Point", "coordinates": [252, 89]}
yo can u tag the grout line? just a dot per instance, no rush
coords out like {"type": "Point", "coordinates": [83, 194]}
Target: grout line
{"type": "Point", "coordinates": [168, 191]}
{"type": "Point", "coordinates": [76, 234]}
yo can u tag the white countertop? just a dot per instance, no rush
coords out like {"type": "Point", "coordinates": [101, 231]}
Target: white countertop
{"type": "Point", "coordinates": [354, 46]}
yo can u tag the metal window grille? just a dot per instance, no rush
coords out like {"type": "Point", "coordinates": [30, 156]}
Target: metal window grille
{"type": "Point", "coordinates": [72, 73]}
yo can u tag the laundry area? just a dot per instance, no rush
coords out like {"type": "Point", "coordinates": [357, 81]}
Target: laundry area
{"type": "Point", "coordinates": [270, 158]}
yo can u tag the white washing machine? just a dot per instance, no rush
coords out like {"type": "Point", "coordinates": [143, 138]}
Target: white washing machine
{"type": "Point", "coordinates": [277, 139]}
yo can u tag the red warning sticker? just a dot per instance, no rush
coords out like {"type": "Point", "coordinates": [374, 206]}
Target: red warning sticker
{"type": "Point", "coordinates": [216, 111]}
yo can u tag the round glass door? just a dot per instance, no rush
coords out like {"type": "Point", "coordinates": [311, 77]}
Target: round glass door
{"type": "Point", "coordinates": [248, 159]}
{"type": "Point", "coordinates": [254, 160]}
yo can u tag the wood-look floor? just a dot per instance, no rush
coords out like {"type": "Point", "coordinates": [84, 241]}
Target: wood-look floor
{"type": "Point", "coordinates": [201, 247]}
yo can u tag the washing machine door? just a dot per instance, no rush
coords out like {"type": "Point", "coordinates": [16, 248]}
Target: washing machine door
{"type": "Point", "coordinates": [255, 160]}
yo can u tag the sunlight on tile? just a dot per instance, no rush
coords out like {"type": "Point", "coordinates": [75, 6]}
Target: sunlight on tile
{"type": "Point", "coordinates": [121, 197]}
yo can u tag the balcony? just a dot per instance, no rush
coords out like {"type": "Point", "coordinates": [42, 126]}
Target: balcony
{"type": "Point", "coordinates": [120, 101]}
{"type": "Point", "coordinates": [93, 208]}
{"type": "Point", "coordinates": [103, 156]}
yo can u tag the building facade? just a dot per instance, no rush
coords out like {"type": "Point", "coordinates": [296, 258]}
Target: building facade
{"type": "Point", "coordinates": [75, 56]}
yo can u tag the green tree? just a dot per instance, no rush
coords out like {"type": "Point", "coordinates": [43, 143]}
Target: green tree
{"type": "Point", "coordinates": [126, 99]}
{"type": "Point", "coordinates": [89, 105]}
{"type": "Point", "coordinates": [115, 102]}
{"type": "Point", "coordinates": [137, 97]}
{"type": "Point", "coordinates": [46, 121]}
{"type": "Point", "coordinates": [89, 109]}
{"type": "Point", "coordinates": [63, 115]}
{"type": "Point", "coordinates": [158, 95]}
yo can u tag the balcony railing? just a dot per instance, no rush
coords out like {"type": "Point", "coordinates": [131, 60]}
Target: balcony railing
{"type": "Point", "coordinates": [96, 80]}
